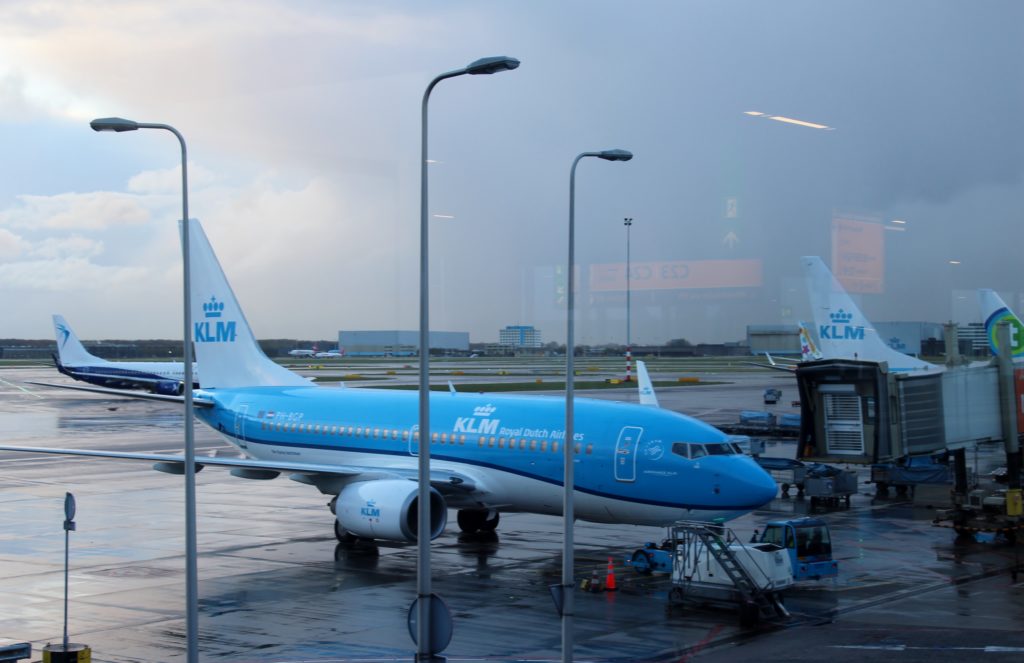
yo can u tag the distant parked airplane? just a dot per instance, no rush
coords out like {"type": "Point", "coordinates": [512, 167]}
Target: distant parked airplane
{"type": "Point", "coordinates": [993, 311]}
{"type": "Point", "coordinates": [490, 453]}
{"type": "Point", "coordinates": [301, 353]}
{"type": "Point", "coordinates": [73, 360]}
{"type": "Point", "coordinates": [843, 331]}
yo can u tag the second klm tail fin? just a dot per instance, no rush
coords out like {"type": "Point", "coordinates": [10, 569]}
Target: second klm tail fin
{"type": "Point", "coordinates": [994, 310]}
{"type": "Point", "coordinates": [70, 350]}
{"type": "Point", "coordinates": [226, 349]}
{"type": "Point", "coordinates": [843, 331]}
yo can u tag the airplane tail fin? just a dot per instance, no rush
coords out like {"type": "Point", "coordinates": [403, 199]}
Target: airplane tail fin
{"type": "Point", "coordinates": [226, 349]}
{"type": "Point", "coordinates": [843, 331]}
{"type": "Point", "coordinates": [70, 350]}
{"type": "Point", "coordinates": [808, 348]}
{"type": "Point", "coordinates": [647, 395]}
{"type": "Point", "coordinates": [994, 310]}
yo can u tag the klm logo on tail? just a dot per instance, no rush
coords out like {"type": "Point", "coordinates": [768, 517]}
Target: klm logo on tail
{"type": "Point", "coordinates": [212, 329]}
{"type": "Point", "coordinates": [841, 329]}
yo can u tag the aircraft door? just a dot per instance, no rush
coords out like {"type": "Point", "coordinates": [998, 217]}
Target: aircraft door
{"type": "Point", "coordinates": [239, 431]}
{"type": "Point", "coordinates": [625, 453]}
{"type": "Point", "coordinates": [414, 444]}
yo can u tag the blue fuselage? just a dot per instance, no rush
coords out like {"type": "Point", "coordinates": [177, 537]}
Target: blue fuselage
{"type": "Point", "coordinates": [627, 467]}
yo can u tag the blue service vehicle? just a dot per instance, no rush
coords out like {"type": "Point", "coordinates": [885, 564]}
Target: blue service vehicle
{"type": "Point", "coordinates": [807, 541]}
{"type": "Point", "coordinates": [809, 544]}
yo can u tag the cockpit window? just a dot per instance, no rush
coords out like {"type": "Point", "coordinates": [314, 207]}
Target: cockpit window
{"type": "Point", "coordinates": [693, 451]}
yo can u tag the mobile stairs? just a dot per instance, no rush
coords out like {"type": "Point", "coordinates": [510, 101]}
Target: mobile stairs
{"type": "Point", "coordinates": [712, 567]}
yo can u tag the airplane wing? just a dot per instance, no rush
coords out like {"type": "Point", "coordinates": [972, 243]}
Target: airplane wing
{"type": "Point", "coordinates": [197, 400]}
{"type": "Point", "coordinates": [249, 468]}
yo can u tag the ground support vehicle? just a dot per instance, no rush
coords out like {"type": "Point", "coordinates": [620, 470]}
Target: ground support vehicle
{"type": "Point", "coordinates": [995, 510]}
{"type": "Point", "coordinates": [808, 543]}
{"type": "Point", "coordinates": [711, 567]}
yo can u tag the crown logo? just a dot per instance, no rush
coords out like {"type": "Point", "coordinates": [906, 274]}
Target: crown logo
{"type": "Point", "coordinates": [841, 317]}
{"type": "Point", "coordinates": [213, 308]}
{"type": "Point", "coordinates": [896, 344]}
{"type": "Point", "coordinates": [484, 410]}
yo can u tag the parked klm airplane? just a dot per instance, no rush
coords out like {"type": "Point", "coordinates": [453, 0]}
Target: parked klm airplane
{"type": "Point", "coordinates": [73, 360]}
{"type": "Point", "coordinates": [489, 453]}
{"type": "Point", "coordinates": [843, 331]}
{"type": "Point", "coordinates": [994, 310]}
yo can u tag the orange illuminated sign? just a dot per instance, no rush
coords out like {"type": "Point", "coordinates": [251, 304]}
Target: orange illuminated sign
{"type": "Point", "coordinates": [676, 275]}
{"type": "Point", "coordinates": [858, 255]}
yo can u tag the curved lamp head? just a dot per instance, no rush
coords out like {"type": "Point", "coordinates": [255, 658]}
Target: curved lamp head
{"type": "Point", "coordinates": [492, 65]}
{"type": "Point", "coordinates": [615, 155]}
{"type": "Point", "coordinates": [113, 124]}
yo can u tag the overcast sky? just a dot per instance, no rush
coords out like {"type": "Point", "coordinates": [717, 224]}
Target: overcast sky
{"type": "Point", "coordinates": [302, 121]}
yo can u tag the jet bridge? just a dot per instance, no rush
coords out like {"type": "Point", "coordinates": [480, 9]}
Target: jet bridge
{"type": "Point", "coordinates": [859, 412]}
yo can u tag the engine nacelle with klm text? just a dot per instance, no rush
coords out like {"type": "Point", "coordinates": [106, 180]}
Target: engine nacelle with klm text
{"type": "Point", "coordinates": [387, 509]}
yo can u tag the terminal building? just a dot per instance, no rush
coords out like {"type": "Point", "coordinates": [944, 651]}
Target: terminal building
{"type": "Point", "coordinates": [397, 343]}
{"type": "Point", "coordinates": [520, 337]}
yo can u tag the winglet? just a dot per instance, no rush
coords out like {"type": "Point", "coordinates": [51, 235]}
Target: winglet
{"type": "Point", "coordinates": [647, 396]}
{"type": "Point", "coordinates": [451, 387]}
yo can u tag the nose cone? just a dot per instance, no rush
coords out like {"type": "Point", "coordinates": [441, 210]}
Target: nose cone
{"type": "Point", "coordinates": [762, 487]}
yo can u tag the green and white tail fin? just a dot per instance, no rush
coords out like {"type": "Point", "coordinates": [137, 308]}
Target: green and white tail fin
{"type": "Point", "coordinates": [993, 311]}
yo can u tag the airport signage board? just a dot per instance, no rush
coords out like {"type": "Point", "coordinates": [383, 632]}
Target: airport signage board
{"type": "Point", "coordinates": [858, 254]}
{"type": "Point", "coordinates": [677, 275]}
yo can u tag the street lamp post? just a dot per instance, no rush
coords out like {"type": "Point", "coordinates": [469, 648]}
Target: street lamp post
{"type": "Point", "coordinates": [424, 649]}
{"type": "Point", "coordinates": [568, 443]}
{"type": "Point", "coordinates": [628, 222]}
{"type": "Point", "coordinates": [191, 571]}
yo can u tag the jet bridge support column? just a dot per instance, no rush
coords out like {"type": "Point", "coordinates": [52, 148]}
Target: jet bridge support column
{"type": "Point", "coordinates": [1008, 405]}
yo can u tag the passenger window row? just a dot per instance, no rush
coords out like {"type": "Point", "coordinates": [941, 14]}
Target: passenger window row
{"type": "Point", "coordinates": [436, 438]}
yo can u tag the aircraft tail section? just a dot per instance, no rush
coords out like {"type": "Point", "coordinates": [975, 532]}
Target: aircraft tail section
{"type": "Point", "coordinates": [808, 348]}
{"type": "Point", "coordinates": [843, 331]}
{"type": "Point", "coordinates": [70, 351]}
{"type": "Point", "coordinates": [225, 346]}
{"type": "Point", "coordinates": [994, 310]}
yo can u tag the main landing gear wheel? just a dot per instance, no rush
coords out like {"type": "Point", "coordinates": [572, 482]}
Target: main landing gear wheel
{"type": "Point", "coordinates": [478, 520]}
{"type": "Point", "coordinates": [343, 535]}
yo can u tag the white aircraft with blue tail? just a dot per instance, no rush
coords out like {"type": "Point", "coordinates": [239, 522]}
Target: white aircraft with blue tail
{"type": "Point", "coordinates": [843, 331]}
{"type": "Point", "coordinates": [74, 361]}
{"type": "Point", "coordinates": [635, 464]}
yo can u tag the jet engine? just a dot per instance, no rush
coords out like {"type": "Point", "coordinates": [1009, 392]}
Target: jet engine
{"type": "Point", "coordinates": [169, 388]}
{"type": "Point", "coordinates": [387, 509]}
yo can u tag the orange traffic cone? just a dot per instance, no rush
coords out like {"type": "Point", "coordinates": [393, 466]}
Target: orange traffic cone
{"type": "Point", "coordinates": [609, 582]}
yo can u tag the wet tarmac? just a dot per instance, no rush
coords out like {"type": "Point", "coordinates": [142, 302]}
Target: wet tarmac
{"type": "Point", "coordinates": [276, 586]}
